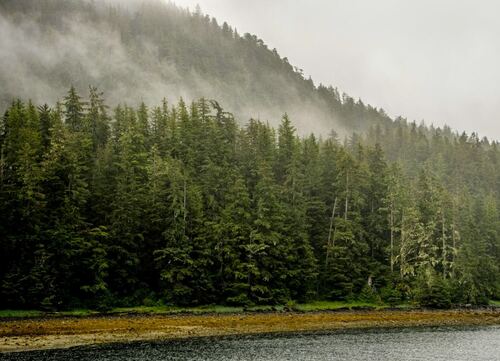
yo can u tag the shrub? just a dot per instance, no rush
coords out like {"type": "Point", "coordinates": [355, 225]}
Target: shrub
{"type": "Point", "coordinates": [390, 295]}
{"type": "Point", "coordinates": [290, 305]}
{"type": "Point", "coordinates": [367, 294]}
{"type": "Point", "coordinates": [432, 291]}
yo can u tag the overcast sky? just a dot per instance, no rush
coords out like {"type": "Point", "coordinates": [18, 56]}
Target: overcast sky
{"type": "Point", "coordinates": [436, 60]}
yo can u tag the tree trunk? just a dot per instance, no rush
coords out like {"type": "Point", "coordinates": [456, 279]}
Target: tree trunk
{"type": "Point", "coordinates": [453, 237]}
{"type": "Point", "coordinates": [1, 167]}
{"type": "Point", "coordinates": [443, 235]}
{"type": "Point", "coordinates": [330, 233]}
{"type": "Point", "coordinates": [401, 251]}
{"type": "Point", "coordinates": [391, 221]}
{"type": "Point", "coordinates": [346, 195]}
{"type": "Point", "coordinates": [184, 204]}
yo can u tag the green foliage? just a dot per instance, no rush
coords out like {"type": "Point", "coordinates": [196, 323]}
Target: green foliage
{"type": "Point", "coordinates": [335, 305]}
{"type": "Point", "coordinates": [290, 306]}
{"type": "Point", "coordinates": [182, 206]}
{"type": "Point", "coordinates": [391, 296]}
{"type": "Point", "coordinates": [432, 291]}
{"type": "Point", "coordinates": [368, 295]}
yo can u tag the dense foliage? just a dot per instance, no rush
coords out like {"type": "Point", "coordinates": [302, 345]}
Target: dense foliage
{"type": "Point", "coordinates": [181, 204]}
{"type": "Point", "coordinates": [185, 205]}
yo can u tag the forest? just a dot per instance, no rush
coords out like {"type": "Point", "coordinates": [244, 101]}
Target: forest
{"type": "Point", "coordinates": [246, 185]}
{"type": "Point", "coordinates": [180, 204]}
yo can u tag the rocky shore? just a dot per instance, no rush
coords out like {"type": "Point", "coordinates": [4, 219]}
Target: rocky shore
{"type": "Point", "coordinates": [62, 332]}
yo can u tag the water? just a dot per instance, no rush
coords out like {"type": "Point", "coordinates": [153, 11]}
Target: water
{"type": "Point", "coordinates": [450, 344]}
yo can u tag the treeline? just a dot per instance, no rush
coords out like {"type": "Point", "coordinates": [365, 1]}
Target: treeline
{"type": "Point", "coordinates": [179, 204]}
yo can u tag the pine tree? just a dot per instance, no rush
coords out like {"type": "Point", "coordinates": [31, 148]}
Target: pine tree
{"type": "Point", "coordinates": [73, 111]}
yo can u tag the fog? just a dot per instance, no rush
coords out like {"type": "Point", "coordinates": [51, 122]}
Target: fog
{"type": "Point", "coordinates": [432, 60]}
{"type": "Point", "coordinates": [90, 55]}
{"type": "Point", "coordinates": [41, 64]}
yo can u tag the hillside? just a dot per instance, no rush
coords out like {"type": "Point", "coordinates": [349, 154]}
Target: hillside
{"type": "Point", "coordinates": [188, 202]}
{"type": "Point", "coordinates": [157, 50]}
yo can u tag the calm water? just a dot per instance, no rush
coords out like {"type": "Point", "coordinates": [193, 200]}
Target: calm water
{"type": "Point", "coordinates": [467, 344]}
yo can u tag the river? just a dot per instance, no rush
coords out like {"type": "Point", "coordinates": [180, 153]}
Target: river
{"type": "Point", "coordinates": [437, 344]}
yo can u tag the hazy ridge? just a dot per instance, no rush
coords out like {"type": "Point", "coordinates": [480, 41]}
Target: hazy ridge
{"type": "Point", "coordinates": [149, 50]}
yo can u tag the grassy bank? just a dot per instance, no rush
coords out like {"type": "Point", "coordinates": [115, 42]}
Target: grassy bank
{"type": "Point", "coordinates": [316, 306]}
{"type": "Point", "coordinates": [209, 309]}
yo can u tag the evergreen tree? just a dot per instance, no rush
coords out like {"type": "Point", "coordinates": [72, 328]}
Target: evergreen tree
{"type": "Point", "coordinates": [183, 205]}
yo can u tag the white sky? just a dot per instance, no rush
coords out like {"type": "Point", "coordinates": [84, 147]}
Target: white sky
{"type": "Point", "coordinates": [436, 60]}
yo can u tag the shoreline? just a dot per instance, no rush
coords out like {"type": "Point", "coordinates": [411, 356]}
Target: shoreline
{"type": "Point", "coordinates": [18, 335]}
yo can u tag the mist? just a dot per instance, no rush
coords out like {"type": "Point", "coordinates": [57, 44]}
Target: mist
{"type": "Point", "coordinates": [86, 54]}
{"type": "Point", "coordinates": [40, 63]}
{"type": "Point", "coordinates": [427, 60]}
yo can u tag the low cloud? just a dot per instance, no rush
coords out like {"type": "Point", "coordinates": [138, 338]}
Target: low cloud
{"type": "Point", "coordinates": [41, 63]}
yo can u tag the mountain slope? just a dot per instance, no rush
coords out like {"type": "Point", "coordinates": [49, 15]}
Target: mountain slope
{"type": "Point", "coordinates": [157, 50]}
{"type": "Point", "coordinates": [179, 203]}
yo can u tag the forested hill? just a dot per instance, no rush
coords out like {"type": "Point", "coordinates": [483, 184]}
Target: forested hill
{"type": "Point", "coordinates": [184, 203]}
{"type": "Point", "coordinates": [157, 50]}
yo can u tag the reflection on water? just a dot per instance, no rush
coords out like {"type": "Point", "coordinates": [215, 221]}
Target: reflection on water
{"type": "Point", "coordinates": [457, 344]}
